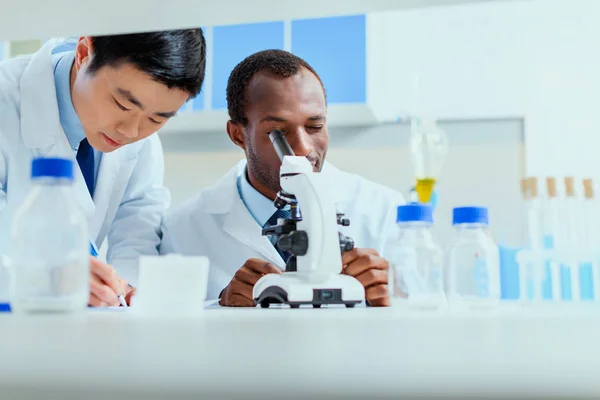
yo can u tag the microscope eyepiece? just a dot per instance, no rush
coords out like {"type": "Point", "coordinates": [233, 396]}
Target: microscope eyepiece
{"type": "Point", "coordinates": [282, 147]}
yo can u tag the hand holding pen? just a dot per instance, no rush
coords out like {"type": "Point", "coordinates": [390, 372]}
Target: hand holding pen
{"type": "Point", "coordinates": [106, 288]}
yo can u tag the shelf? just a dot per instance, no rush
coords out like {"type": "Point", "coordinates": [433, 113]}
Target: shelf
{"type": "Point", "coordinates": [338, 115]}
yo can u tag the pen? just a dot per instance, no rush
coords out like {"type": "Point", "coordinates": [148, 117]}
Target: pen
{"type": "Point", "coordinates": [93, 250]}
{"type": "Point", "coordinates": [94, 253]}
{"type": "Point", "coordinates": [122, 300]}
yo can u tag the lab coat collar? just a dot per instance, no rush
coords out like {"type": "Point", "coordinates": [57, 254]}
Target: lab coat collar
{"type": "Point", "coordinates": [223, 198]}
{"type": "Point", "coordinates": [241, 225]}
{"type": "Point", "coordinates": [40, 122]}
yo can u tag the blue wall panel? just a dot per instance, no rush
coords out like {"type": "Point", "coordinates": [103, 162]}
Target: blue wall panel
{"type": "Point", "coordinates": [232, 44]}
{"type": "Point", "coordinates": [197, 103]}
{"type": "Point", "coordinates": [336, 49]}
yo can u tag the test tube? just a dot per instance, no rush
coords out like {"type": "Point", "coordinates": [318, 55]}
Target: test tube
{"type": "Point", "coordinates": [535, 240]}
{"type": "Point", "coordinates": [589, 235]}
{"type": "Point", "coordinates": [572, 246]}
{"type": "Point", "coordinates": [523, 257]}
{"type": "Point", "coordinates": [550, 232]}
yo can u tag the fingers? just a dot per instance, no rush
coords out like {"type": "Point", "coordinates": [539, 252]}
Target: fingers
{"type": "Point", "coordinates": [239, 291]}
{"type": "Point", "coordinates": [106, 273]}
{"type": "Point", "coordinates": [373, 277]}
{"type": "Point", "coordinates": [236, 300]}
{"type": "Point", "coordinates": [378, 296]}
{"type": "Point", "coordinates": [94, 301]}
{"type": "Point", "coordinates": [237, 294]}
{"type": "Point", "coordinates": [102, 292]}
{"type": "Point", "coordinates": [371, 271]}
{"type": "Point", "coordinates": [247, 275]}
{"type": "Point", "coordinates": [241, 288]}
{"type": "Point", "coordinates": [261, 266]}
{"type": "Point", "coordinates": [349, 257]}
{"type": "Point", "coordinates": [364, 262]}
{"type": "Point", "coordinates": [129, 293]}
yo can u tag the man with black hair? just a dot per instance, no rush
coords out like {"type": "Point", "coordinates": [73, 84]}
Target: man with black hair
{"type": "Point", "coordinates": [99, 103]}
{"type": "Point", "coordinates": [276, 90]}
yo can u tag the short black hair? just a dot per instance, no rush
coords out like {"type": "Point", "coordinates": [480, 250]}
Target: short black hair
{"type": "Point", "coordinates": [175, 58]}
{"type": "Point", "coordinates": [278, 62]}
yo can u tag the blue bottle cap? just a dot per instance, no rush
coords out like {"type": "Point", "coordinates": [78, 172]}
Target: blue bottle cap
{"type": "Point", "coordinates": [4, 307]}
{"type": "Point", "coordinates": [470, 215]}
{"type": "Point", "coordinates": [52, 168]}
{"type": "Point", "coordinates": [414, 212]}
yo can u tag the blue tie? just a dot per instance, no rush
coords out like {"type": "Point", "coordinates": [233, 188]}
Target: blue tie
{"type": "Point", "coordinates": [272, 222]}
{"type": "Point", "coordinates": [85, 159]}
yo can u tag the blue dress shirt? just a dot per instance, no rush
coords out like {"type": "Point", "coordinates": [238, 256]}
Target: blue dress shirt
{"type": "Point", "coordinates": [259, 206]}
{"type": "Point", "coordinates": [63, 61]}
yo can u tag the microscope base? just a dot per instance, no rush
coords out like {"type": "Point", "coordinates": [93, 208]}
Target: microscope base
{"type": "Point", "coordinates": [298, 289]}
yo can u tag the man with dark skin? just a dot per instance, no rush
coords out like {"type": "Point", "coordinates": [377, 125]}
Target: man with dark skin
{"type": "Point", "coordinates": [275, 90]}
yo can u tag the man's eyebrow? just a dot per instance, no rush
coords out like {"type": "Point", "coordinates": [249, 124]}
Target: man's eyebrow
{"type": "Point", "coordinates": [166, 114]}
{"type": "Point", "coordinates": [271, 118]}
{"type": "Point", "coordinates": [131, 98]}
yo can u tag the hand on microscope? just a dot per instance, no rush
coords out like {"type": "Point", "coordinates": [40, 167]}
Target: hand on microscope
{"type": "Point", "coordinates": [238, 292]}
{"type": "Point", "coordinates": [372, 271]}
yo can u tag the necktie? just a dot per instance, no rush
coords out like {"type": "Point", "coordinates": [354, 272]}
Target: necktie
{"type": "Point", "coordinates": [85, 159]}
{"type": "Point", "coordinates": [272, 222]}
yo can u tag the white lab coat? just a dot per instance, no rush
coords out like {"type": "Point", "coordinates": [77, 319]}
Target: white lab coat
{"type": "Point", "coordinates": [216, 223]}
{"type": "Point", "coordinates": [129, 198]}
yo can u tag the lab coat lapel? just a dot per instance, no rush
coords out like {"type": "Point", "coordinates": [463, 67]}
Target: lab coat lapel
{"type": "Point", "coordinates": [339, 187]}
{"type": "Point", "coordinates": [240, 224]}
{"type": "Point", "coordinates": [223, 198]}
{"type": "Point", "coordinates": [40, 123]}
{"type": "Point", "coordinates": [109, 167]}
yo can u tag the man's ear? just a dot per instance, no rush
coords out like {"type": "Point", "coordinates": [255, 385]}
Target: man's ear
{"type": "Point", "coordinates": [83, 51]}
{"type": "Point", "coordinates": [236, 133]}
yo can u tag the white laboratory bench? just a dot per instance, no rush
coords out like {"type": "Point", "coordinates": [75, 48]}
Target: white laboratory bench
{"type": "Point", "coordinates": [283, 353]}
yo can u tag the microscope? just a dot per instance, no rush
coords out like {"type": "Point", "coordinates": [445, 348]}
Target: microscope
{"type": "Point", "coordinates": [313, 270]}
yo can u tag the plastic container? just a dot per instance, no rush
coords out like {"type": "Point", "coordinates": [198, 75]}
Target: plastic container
{"type": "Point", "coordinates": [416, 260]}
{"type": "Point", "coordinates": [50, 259]}
{"type": "Point", "coordinates": [473, 261]}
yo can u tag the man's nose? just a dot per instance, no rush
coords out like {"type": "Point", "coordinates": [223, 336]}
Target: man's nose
{"type": "Point", "coordinates": [302, 144]}
{"type": "Point", "coordinates": [129, 128]}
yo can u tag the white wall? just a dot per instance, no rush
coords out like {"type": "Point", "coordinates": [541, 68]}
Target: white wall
{"type": "Point", "coordinates": [537, 59]}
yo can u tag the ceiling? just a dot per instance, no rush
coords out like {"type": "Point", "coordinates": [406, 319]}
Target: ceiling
{"type": "Point", "coordinates": [40, 19]}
